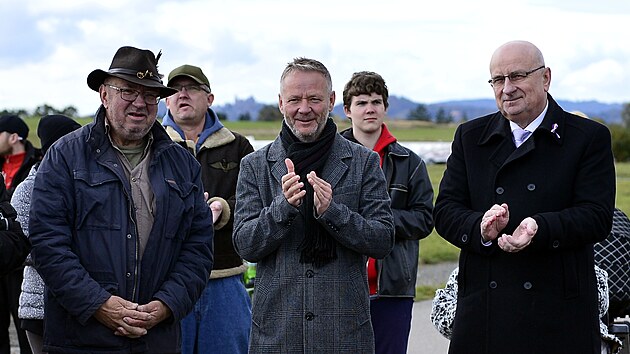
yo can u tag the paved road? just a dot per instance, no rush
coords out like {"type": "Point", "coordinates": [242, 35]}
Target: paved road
{"type": "Point", "coordinates": [15, 348]}
{"type": "Point", "coordinates": [424, 338]}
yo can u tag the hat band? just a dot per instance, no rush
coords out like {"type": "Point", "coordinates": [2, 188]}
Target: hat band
{"type": "Point", "coordinates": [139, 74]}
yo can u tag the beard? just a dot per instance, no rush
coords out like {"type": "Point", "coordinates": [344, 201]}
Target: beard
{"type": "Point", "coordinates": [308, 136]}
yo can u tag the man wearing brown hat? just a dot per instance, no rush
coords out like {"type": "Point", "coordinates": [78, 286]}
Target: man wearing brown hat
{"type": "Point", "coordinates": [121, 233]}
{"type": "Point", "coordinates": [225, 306]}
{"type": "Point", "coordinates": [17, 156]}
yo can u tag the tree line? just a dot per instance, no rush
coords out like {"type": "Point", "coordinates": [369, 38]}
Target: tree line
{"type": "Point", "coordinates": [41, 111]}
{"type": "Point", "coordinates": [421, 113]}
{"type": "Point", "coordinates": [620, 132]}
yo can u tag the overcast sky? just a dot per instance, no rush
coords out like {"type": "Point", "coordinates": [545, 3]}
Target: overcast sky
{"type": "Point", "coordinates": [427, 51]}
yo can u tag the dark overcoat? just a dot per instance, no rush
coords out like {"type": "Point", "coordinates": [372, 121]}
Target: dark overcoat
{"type": "Point", "coordinates": [544, 298]}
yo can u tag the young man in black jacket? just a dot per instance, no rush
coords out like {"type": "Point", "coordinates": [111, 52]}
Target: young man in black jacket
{"type": "Point", "coordinates": [392, 280]}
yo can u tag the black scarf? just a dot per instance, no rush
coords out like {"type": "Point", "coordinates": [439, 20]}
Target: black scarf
{"type": "Point", "coordinates": [317, 247]}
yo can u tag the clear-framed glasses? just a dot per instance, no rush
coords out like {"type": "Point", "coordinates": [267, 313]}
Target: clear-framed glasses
{"type": "Point", "coordinates": [130, 95]}
{"type": "Point", "coordinates": [191, 88]}
{"type": "Point", "coordinates": [514, 77]}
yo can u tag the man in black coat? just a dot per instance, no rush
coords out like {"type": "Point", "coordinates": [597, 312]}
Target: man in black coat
{"type": "Point", "coordinates": [525, 216]}
{"type": "Point", "coordinates": [14, 246]}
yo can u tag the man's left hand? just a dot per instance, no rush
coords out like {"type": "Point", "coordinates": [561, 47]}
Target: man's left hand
{"type": "Point", "coordinates": [521, 237]}
{"type": "Point", "coordinates": [322, 192]}
{"type": "Point", "coordinates": [217, 208]}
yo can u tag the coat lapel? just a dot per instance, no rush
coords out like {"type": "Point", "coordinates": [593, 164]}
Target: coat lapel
{"type": "Point", "coordinates": [336, 167]}
{"type": "Point", "coordinates": [275, 158]}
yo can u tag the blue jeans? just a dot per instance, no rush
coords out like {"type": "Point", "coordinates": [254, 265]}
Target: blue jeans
{"type": "Point", "coordinates": [221, 320]}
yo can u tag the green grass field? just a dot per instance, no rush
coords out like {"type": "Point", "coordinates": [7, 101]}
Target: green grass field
{"type": "Point", "coordinates": [403, 130]}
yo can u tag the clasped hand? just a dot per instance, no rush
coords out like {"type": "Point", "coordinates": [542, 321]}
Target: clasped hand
{"type": "Point", "coordinates": [216, 207]}
{"type": "Point", "coordinates": [496, 219]}
{"type": "Point", "coordinates": [294, 194]}
{"type": "Point", "coordinates": [129, 319]}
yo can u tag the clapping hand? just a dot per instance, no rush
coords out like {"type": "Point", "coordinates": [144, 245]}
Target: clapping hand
{"type": "Point", "coordinates": [521, 237]}
{"type": "Point", "coordinates": [291, 185]}
{"type": "Point", "coordinates": [322, 191]}
{"type": "Point", "coordinates": [494, 221]}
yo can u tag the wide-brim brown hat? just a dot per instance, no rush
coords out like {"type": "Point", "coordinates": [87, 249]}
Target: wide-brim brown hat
{"type": "Point", "coordinates": [134, 65]}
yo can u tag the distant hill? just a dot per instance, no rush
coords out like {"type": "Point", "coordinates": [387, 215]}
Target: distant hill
{"type": "Point", "coordinates": [399, 108]}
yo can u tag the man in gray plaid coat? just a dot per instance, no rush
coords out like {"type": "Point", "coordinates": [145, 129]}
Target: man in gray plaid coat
{"type": "Point", "coordinates": [310, 207]}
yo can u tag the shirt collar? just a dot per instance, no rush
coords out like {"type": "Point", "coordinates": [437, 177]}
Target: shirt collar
{"type": "Point", "coordinates": [534, 124]}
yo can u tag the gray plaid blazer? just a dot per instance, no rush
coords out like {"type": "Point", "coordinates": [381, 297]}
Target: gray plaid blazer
{"type": "Point", "coordinates": [298, 308]}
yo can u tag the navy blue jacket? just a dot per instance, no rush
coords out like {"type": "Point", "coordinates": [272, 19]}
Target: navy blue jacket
{"type": "Point", "coordinates": [85, 240]}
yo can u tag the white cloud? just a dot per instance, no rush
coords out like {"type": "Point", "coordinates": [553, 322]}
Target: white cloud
{"type": "Point", "coordinates": [435, 53]}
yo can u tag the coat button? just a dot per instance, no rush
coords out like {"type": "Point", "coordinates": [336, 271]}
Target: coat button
{"type": "Point", "coordinates": [309, 316]}
{"type": "Point", "coordinates": [500, 190]}
{"type": "Point", "coordinates": [310, 273]}
{"type": "Point", "coordinates": [531, 187]}
{"type": "Point", "coordinates": [464, 238]}
{"type": "Point", "coordinates": [129, 236]}
{"type": "Point", "coordinates": [128, 274]}
{"type": "Point", "coordinates": [493, 284]}
{"type": "Point", "coordinates": [527, 285]}
{"type": "Point", "coordinates": [556, 244]}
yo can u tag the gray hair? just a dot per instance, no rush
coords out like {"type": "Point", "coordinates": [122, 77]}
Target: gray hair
{"type": "Point", "coordinates": [305, 65]}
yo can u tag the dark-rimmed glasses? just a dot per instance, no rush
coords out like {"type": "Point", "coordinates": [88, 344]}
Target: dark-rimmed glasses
{"type": "Point", "coordinates": [130, 95]}
{"type": "Point", "coordinates": [514, 77]}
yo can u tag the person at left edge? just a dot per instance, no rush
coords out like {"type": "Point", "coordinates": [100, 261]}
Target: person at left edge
{"type": "Point", "coordinates": [14, 245]}
{"type": "Point", "coordinates": [17, 155]}
{"type": "Point", "coordinates": [31, 304]}
{"type": "Point", "coordinates": [121, 233]}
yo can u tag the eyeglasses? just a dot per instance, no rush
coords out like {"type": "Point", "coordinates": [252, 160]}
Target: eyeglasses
{"type": "Point", "coordinates": [130, 95]}
{"type": "Point", "coordinates": [514, 77]}
{"type": "Point", "coordinates": [191, 88]}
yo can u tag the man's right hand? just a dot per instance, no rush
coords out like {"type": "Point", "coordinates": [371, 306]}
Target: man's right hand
{"type": "Point", "coordinates": [494, 221]}
{"type": "Point", "coordinates": [112, 312]}
{"type": "Point", "coordinates": [291, 185]}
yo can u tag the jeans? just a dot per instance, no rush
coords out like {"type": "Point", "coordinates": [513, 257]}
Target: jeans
{"type": "Point", "coordinates": [221, 320]}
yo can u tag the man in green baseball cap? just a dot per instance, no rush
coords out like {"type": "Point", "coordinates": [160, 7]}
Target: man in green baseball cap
{"type": "Point", "coordinates": [225, 305]}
